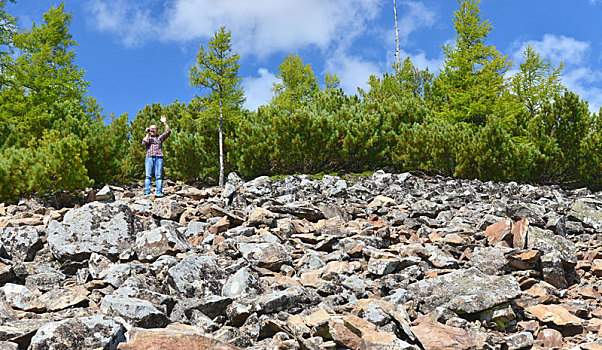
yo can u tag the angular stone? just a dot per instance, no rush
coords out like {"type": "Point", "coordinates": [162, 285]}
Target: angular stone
{"type": "Point", "coordinates": [163, 240]}
{"type": "Point", "coordinates": [174, 337]}
{"type": "Point", "coordinates": [167, 208]}
{"type": "Point", "coordinates": [20, 297]}
{"type": "Point", "coordinates": [95, 332]}
{"type": "Point", "coordinates": [440, 258]}
{"type": "Point", "coordinates": [196, 276]}
{"type": "Point", "coordinates": [549, 339]}
{"type": "Point", "coordinates": [435, 336]}
{"type": "Point", "coordinates": [239, 284]}
{"type": "Point", "coordinates": [343, 336]}
{"type": "Point", "coordinates": [499, 232]}
{"type": "Point", "coordinates": [381, 267]}
{"type": "Point", "coordinates": [523, 340]}
{"type": "Point", "coordinates": [553, 270]}
{"type": "Point", "coordinates": [301, 210]}
{"type": "Point", "coordinates": [467, 291]}
{"type": "Point", "coordinates": [358, 325]}
{"type": "Point", "coordinates": [547, 242]}
{"type": "Point", "coordinates": [586, 211]}
{"type": "Point", "coordinates": [140, 313]}
{"type": "Point", "coordinates": [374, 340]}
{"type": "Point", "coordinates": [556, 314]}
{"type": "Point", "coordinates": [20, 243]}
{"type": "Point", "coordinates": [261, 217]}
{"type": "Point", "coordinates": [490, 260]}
{"type": "Point", "coordinates": [5, 345]}
{"type": "Point", "coordinates": [524, 260]}
{"type": "Point", "coordinates": [270, 256]}
{"type": "Point", "coordinates": [103, 228]}
{"type": "Point", "coordinates": [105, 194]}
{"type": "Point", "coordinates": [59, 299]}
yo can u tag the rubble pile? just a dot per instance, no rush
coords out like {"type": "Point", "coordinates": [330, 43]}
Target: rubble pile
{"type": "Point", "coordinates": [390, 261]}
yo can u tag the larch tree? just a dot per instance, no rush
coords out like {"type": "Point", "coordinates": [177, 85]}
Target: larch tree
{"type": "Point", "coordinates": [536, 81]}
{"type": "Point", "coordinates": [471, 82]}
{"type": "Point", "coordinates": [216, 70]}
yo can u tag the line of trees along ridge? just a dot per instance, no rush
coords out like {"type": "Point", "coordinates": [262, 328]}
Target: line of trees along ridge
{"type": "Point", "coordinates": [468, 120]}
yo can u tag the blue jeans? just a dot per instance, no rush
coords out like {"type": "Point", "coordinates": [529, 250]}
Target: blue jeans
{"type": "Point", "coordinates": [156, 164]}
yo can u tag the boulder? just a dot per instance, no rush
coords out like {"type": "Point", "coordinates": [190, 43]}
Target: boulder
{"type": "Point", "coordinates": [94, 332]}
{"type": "Point", "coordinates": [139, 313]}
{"type": "Point", "coordinates": [103, 228]}
{"type": "Point", "coordinates": [174, 337]}
{"type": "Point", "coordinates": [464, 291]}
{"type": "Point", "coordinates": [163, 240]}
{"type": "Point", "coordinates": [20, 243]}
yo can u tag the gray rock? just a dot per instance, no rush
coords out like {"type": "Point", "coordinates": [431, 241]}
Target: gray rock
{"type": "Point", "coordinates": [490, 260]}
{"type": "Point", "coordinates": [547, 242]}
{"type": "Point", "coordinates": [95, 332]}
{"type": "Point", "coordinates": [102, 228]}
{"type": "Point", "coordinates": [197, 276]}
{"type": "Point", "coordinates": [468, 291]}
{"type": "Point", "coordinates": [105, 194]}
{"type": "Point", "coordinates": [44, 281]}
{"type": "Point", "coordinates": [20, 243]}
{"type": "Point", "coordinates": [138, 312]}
{"type": "Point", "coordinates": [588, 212]}
{"type": "Point", "coordinates": [20, 297]}
{"type": "Point", "coordinates": [167, 208]}
{"type": "Point", "coordinates": [522, 340]}
{"type": "Point", "coordinates": [164, 240]}
{"type": "Point", "coordinates": [239, 284]}
{"type": "Point", "coordinates": [266, 255]}
{"type": "Point", "coordinates": [440, 258]}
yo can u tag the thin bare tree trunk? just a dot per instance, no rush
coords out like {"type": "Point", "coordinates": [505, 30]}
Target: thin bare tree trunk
{"type": "Point", "coordinates": [221, 147]}
{"type": "Point", "coordinates": [396, 34]}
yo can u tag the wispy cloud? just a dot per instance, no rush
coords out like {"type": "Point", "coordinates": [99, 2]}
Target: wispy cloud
{"type": "Point", "coordinates": [413, 16]}
{"type": "Point", "coordinates": [129, 21]}
{"type": "Point", "coordinates": [578, 76]}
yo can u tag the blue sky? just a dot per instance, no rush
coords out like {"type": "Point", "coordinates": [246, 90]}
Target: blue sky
{"type": "Point", "coordinates": [137, 52]}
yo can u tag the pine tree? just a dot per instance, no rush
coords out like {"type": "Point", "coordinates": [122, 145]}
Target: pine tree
{"type": "Point", "coordinates": [297, 84]}
{"type": "Point", "coordinates": [216, 69]}
{"type": "Point", "coordinates": [472, 81]}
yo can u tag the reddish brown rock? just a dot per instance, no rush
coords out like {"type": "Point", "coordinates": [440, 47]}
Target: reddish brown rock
{"type": "Point", "coordinates": [499, 232]}
{"type": "Point", "coordinates": [519, 233]}
{"type": "Point", "coordinates": [174, 337]}
{"type": "Point", "coordinates": [549, 339]}
{"type": "Point", "coordinates": [557, 315]}
{"type": "Point", "coordinates": [436, 336]}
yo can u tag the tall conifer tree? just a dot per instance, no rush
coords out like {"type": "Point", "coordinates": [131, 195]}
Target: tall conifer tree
{"type": "Point", "coordinates": [472, 81]}
{"type": "Point", "coordinates": [216, 69]}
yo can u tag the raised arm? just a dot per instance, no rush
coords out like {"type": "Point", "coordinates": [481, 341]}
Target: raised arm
{"type": "Point", "coordinates": [164, 121]}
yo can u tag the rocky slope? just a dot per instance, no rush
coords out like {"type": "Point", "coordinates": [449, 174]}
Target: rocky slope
{"type": "Point", "coordinates": [394, 261]}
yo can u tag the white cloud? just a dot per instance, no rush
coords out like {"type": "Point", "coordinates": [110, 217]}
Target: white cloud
{"type": "Point", "coordinates": [130, 21]}
{"type": "Point", "coordinates": [557, 49]}
{"type": "Point", "coordinates": [258, 89]}
{"type": "Point", "coordinates": [353, 71]}
{"type": "Point", "coordinates": [259, 27]}
{"type": "Point", "coordinates": [413, 16]}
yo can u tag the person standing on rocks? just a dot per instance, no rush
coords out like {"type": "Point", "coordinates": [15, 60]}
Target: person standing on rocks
{"type": "Point", "coordinates": [154, 156]}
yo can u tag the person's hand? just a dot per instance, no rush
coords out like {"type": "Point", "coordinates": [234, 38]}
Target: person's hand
{"type": "Point", "coordinates": [163, 119]}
